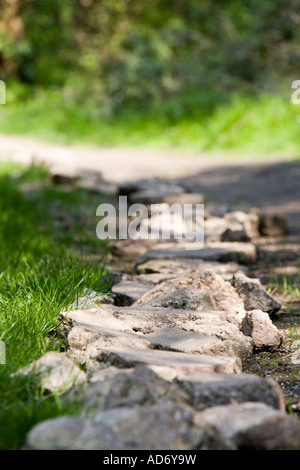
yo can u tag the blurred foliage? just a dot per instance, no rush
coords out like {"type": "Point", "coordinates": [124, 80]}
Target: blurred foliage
{"type": "Point", "coordinates": [119, 53]}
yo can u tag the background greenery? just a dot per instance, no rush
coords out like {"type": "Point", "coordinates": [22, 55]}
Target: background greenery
{"type": "Point", "coordinates": [205, 75]}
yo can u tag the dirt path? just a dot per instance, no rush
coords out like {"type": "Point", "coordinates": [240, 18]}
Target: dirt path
{"type": "Point", "coordinates": [247, 182]}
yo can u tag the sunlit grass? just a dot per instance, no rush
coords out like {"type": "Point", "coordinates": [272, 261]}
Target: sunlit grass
{"type": "Point", "coordinates": [265, 124]}
{"type": "Point", "coordinates": [41, 273]}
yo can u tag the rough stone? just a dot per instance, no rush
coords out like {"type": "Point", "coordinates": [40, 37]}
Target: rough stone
{"type": "Point", "coordinates": [208, 390]}
{"type": "Point", "coordinates": [131, 388]}
{"type": "Point", "coordinates": [232, 227]}
{"type": "Point", "coordinates": [163, 426]}
{"type": "Point", "coordinates": [264, 334]}
{"type": "Point", "coordinates": [229, 333]}
{"type": "Point", "coordinates": [126, 358]}
{"type": "Point", "coordinates": [254, 426]}
{"type": "Point", "coordinates": [131, 249]}
{"type": "Point", "coordinates": [174, 268]}
{"type": "Point", "coordinates": [87, 345]}
{"type": "Point", "coordinates": [72, 433]}
{"type": "Point", "coordinates": [166, 224]}
{"type": "Point", "coordinates": [94, 318]}
{"type": "Point", "coordinates": [273, 225]}
{"type": "Point", "coordinates": [197, 292]}
{"type": "Point", "coordinates": [126, 293]}
{"type": "Point", "coordinates": [214, 227]}
{"type": "Point", "coordinates": [57, 372]}
{"type": "Point", "coordinates": [107, 373]}
{"type": "Point", "coordinates": [174, 339]}
{"type": "Point", "coordinates": [242, 227]}
{"type": "Point", "coordinates": [254, 296]}
{"type": "Point", "coordinates": [241, 253]}
{"type": "Point", "coordinates": [146, 319]}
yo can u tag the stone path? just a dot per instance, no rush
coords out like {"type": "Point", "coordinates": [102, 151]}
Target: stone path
{"type": "Point", "coordinates": [158, 363]}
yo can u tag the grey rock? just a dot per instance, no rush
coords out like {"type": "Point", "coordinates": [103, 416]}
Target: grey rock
{"type": "Point", "coordinates": [232, 227]}
{"type": "Point", "coordinates": [197, 292]}
{"type": "Point", "coordinates": [254, 296]}
{"type": "Point", "coordinates": [214, 227]}
{"type": "Point", "coordinates": [175, 268]}
{"type": "Point", "coordinates": [131, 249]}
{"type": "Point", "coordinates": [175, 339]}
{"type": "Point", "coordinates": [185, 297]}
{"type": "Point", "coordinates": [233, 339]}
{"type": "Point", "coordinates": [72, 433]}
{"type": "Point", "coordinates": [242, 227]}
{"type": "Point", "coordinates": [208, 390]}
{"type": "Point", "coordinates": [93, 318]}
{"type": "Point", "coordinates": [241, 253]}
{"type": "Point", "coordinates": [129, 388]}
{"type": "Point", "coordinates": [264, 334]}
{"type": "Point", "coordinates": [87, 346]}
{"type": "Point", "coordinates": [164, 222]}
{"type": "Point", "coordinates": [107, 373]}
{"type": "Point", "coordinates": [273, 225]}
{"type": "Point", "coordinates": [57, 372]}
{"type": "Point", "coordinates": [254, 426]}
{"type": "Point", "coordinates": [163, 426]}
{"type": "Point", "coordinates": [146, 319]}
{"type": "Point", "coordinates": [126, 293]}
{"type": "Point", "coordinates": [126, 358]}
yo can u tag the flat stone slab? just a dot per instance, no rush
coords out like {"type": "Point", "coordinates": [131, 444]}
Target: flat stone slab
{"type": "Point", "coordinates": [93, 318]}
{"type": "Point", "coordinates": [87, 345]}
{"type": "Point", "coordinates": [211, 389]}
{"type": "Point", "coordinates": [173, 267]}
{"type": "Point", "coordinates": [241, 253]}
{"type": "Point", "coordinates": [146, 320]}
{"type": "Point", "coordinates": [254, 426]}
{"type": "Point", "coordinates": [175, 339]}
{"type": "Point", "coordinates": [193, 362]}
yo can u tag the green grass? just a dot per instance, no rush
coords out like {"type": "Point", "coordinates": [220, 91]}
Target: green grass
{"type": "Point", "coordinates": [43, 269]}
{"type": "Point", "coordinates": [199, 121]}
{"type": "Point", "coordinates": [288, 285]}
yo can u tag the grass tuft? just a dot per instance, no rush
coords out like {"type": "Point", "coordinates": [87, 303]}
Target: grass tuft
{"type": "Point", "coordinates": [43, 269]}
